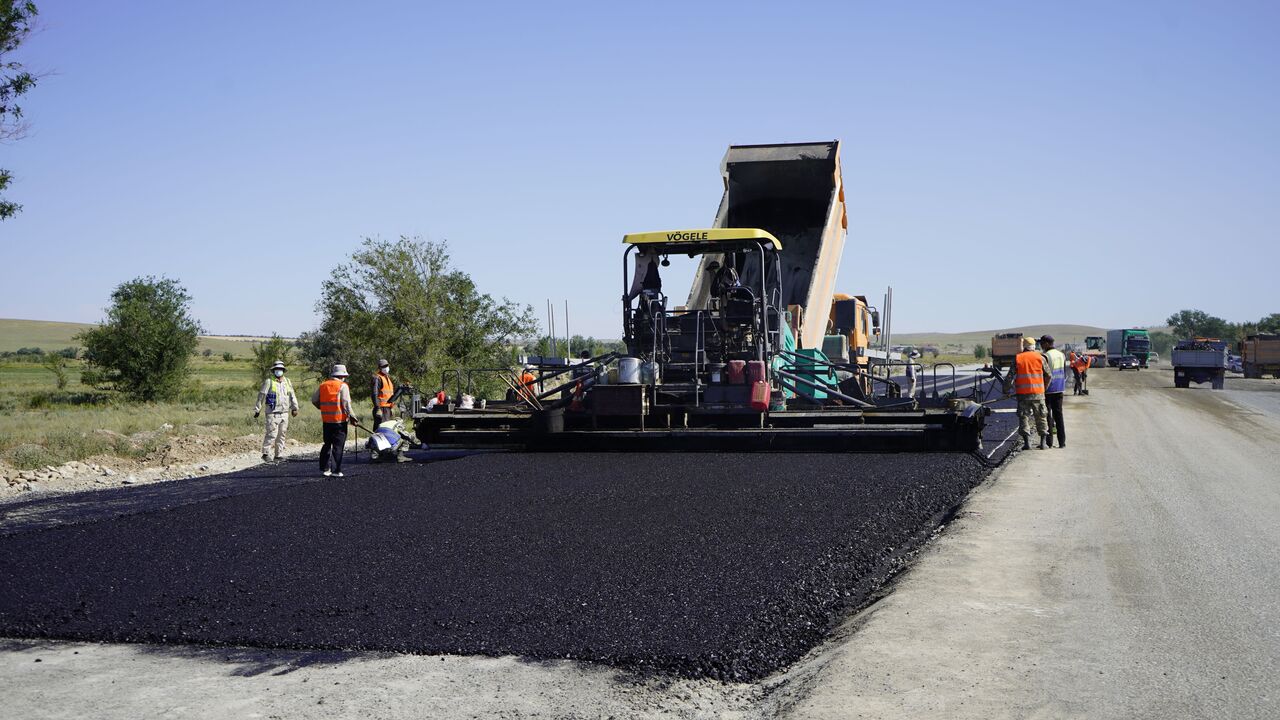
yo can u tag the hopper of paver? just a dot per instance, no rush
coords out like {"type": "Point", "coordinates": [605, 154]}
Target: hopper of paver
{"type": "Point", "coordinates": [793, 191]}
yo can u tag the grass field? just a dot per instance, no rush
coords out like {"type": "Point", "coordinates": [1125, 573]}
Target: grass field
{"type": "Point", "coordinates": [50, 336]}
{"type": "Point", "coordinates": [41, 425]}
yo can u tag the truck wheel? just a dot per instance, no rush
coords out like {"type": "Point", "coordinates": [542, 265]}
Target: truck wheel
{"type": "Point", "coordinates": [1217, 383]}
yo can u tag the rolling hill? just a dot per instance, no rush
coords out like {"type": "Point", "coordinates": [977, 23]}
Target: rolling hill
{"type": "Point", "coordinates": [48, 335]}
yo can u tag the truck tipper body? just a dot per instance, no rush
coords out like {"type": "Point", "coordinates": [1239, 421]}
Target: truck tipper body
{"type": "Point", "coordinates": [1132, 341]}
{"type": "Point", "coordinates": [1004, 348]}
{"type": "Point", "coordinates": [1260, 355]}
{"type": "Point", "coordinates": [1199, 360]}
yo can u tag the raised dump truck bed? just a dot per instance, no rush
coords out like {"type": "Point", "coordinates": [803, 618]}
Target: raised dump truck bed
{"type": "Point", "coordinates": [795, 192]}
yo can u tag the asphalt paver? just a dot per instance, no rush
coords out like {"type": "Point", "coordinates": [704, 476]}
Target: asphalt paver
{"type": "Point", "coordinates": [728, 566]}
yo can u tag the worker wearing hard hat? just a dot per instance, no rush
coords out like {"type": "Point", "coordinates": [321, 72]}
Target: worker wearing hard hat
{"type": "Point", "coordinates": [281, 403]}
{"type": "Point", "coordinates": [912, 372]}
{"type": "Point", "coordinates": [1029, 376]}
{"type": "Point", "coordinates": [383, 393]}
{"type": "Point", "coordinates": [333, 398]}
{"type": "Point", "coordinates": [1057, 364]}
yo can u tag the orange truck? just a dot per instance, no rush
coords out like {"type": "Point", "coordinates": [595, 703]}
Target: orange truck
{"type": "Point", "coordinates": [1260, 355]}
{"type": "Point", "coordinates": [1004, 348]}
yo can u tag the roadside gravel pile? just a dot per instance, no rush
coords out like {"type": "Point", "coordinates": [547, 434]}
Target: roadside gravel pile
{"type": "Point", "coordinates": [702, 565]}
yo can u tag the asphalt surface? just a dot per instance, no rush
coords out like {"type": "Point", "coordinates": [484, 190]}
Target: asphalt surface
{"type": "Point", "coordinates": [702, 565]}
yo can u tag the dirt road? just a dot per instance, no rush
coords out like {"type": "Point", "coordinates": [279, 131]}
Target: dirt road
{"type": "Point", "coordinates": [1129, 575]}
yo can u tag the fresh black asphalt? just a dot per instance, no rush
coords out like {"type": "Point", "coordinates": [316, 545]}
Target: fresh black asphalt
{"type": "Point", "coordinates": [703, 565]}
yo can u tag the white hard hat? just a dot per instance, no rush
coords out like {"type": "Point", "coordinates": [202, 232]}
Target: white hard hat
{"type": "Point", "coordinates": [339, 371]}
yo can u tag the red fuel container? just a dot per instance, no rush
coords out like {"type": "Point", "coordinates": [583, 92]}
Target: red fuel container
{"type": "Point", "coordinates": [755, 371]}
{"type": "Point", "coordinates": [760, 396]}
{"type": "Point", "coordinates": [737, 372]}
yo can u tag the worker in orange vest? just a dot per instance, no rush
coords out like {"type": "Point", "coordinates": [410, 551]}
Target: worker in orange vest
{"type": "Point", "coordinates": [526, 383]}
{"type": "Point", "coordinates": [1029, 376]}
{"type": "Point", "coordinates": [1081, 368]}
{"type": "Point", "coordinates": [383, 394]}
{"type": "Point", "coordinates": [333, 398]}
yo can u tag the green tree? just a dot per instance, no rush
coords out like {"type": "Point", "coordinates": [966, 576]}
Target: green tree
{"type": "Point", "coordinates": [1162, 342]}
{"type": "Point", "coordinates": [577, 343]}
{"type": "Point", "coordinates": [979, 352]}
{"type": "Point", "coordinates": [1197, 323]}
{"type": "Point", "coordinates": [144, 347]}
{"type": "Point", "coordinates": [1269, 324]}
{"type": "Point", "coordinates": [404, 301]}
{"type": "Point", "coordinates": [56, 363]}
{"type": "Point", "coordinates": [16, 17]}
{"type": "Point", "coordinates": [266, 353]}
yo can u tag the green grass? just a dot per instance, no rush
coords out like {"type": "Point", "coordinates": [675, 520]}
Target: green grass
{"type": "Point", "coordinates": [49, 336]}
{"type": "Point", "coordinates": [41, 425]}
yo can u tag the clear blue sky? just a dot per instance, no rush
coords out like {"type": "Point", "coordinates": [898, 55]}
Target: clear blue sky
{"type": "Point", "coordinates": [1006, 163]}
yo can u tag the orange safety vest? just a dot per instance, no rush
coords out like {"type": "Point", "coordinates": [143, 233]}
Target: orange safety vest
{"type": "Point", "coordinates": [331, 401]}
{"type": "Point", "coordinates": [385, 390]}
{"type": "Point", "coordinates": [1030, 369]}
{"type": "Point", "coordinates": [526, 385]}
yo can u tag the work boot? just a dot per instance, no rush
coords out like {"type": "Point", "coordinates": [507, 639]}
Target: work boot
{"type": "Point", "coordinates": [266, 457]}
{"type": "Point", "coordinates": [1042, 441]}
{"type": "Point", "coordinates": [1026, 442]}
{"type": "Point", "coordinates": [1062, 442]}
{"type": "Point", "coordinates": [403, 458]}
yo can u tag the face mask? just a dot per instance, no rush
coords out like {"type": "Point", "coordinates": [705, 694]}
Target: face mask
{"type": "Point", "coordinates": [386, 370]}
{"type": "Point", "coordinates": [279, 373]}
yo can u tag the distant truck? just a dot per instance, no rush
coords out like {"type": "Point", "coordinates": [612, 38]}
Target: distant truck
{"type": "Point", "coordinates": [1004, 348]}
{"type": "Point", "coordinates": [1260, 355]}
{"type": "Point", "coordinates": [1132, 341]}
{"type": "Point", "coordinates": [1199, 360]}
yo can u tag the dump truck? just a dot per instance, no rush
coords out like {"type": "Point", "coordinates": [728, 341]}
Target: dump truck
{"type": "Point", "coordinates": [1004, 348]}
{"type": "Point", "coordinates": [1260, 355]}
{"type": "Point", "coordinates": [743, 363]}
{"type": "Point", "coordinates": [1129, 341]}
{"type": "Point", "coordinates": [1199, 360]}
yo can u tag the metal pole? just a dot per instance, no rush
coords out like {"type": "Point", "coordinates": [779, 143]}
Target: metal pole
{"type": "Point", "coordinates": [568, 339]}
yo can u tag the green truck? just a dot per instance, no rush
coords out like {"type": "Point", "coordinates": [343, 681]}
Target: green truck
{"type": "Point", "coordinates": [1132, 341]}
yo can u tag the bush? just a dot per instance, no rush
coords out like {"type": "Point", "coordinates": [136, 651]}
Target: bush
{"type": "Point", "coordinates": [265, 354]}
{"type": "Point", "coordinates": [56, 363]}
{"type": "Point", "coordinates": [30, 457]}
{"type": "Point", "coordinates": [207, 352]}
{"type": "Point", "coordinates": [70, 353]}
{"type": "Point", "coordinates": [145, 345]}
{"type": "Point", "coordinates": [228, 357]}
{"type": "Point", "coordinates": [980, 351]}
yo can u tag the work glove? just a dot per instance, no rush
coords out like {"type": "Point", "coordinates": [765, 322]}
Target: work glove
{"type": "Point", "coordinates": [293, 413]}
{"type": "Point", "coordinates": [354, 419]}
{"type": "Point", "coordinates": [255, 415]}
